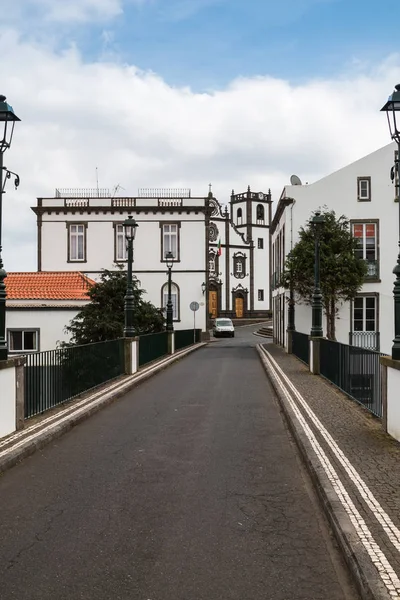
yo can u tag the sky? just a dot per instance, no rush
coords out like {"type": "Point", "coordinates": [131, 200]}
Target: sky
{"type": "Point", "coordinates": [183, 93]}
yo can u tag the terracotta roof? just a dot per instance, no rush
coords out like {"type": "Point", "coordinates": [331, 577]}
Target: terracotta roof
{"type": "Point", "coordinates": [50, 285]}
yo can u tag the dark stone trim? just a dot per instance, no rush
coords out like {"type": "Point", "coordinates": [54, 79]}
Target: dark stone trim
{"type": "Point", "coordinates": [178, 242]}
{"type": "Point", "coordinates": [215, 286]}
{"type": "Point", "coordinates": [249, 220]}
{"type": "Point", "coordinates": [240, 292]}
{"type": "Point", "coordinates": [270, 254]}
{"type": "Point", "coordinates": [164, 210]}
{"type": "Point", "coordinates": [252, 277]}
{"type": "Point", "coordinates": [227, 258]}
{"type": "Point", "coordinates": [207, 254]}
{"type": "Point", "coordinates": [282, 204]}
{"type": "Point", "coordinates": [68, 225]}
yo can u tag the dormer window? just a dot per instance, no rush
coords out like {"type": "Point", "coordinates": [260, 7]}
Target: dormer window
{"type": "Point", "coordinates": [364, 189]}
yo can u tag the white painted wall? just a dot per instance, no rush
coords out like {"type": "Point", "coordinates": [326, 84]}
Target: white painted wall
{"type": "Point", "coordinates": [7, 401]}
{"type": "Point", "coordinates": [338, 191]}
{"type": "Point", "coordinates": [393, 402]}
{"type": "Point", "coordinates": [50, 322]}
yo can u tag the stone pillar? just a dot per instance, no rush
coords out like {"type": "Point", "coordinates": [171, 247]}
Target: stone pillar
{"type": "Point", "coordinates": [131, 349]}
{"type": "Point", "coordinates": [314, 355]}
{"type": "Point", "coordinates": [12, 397]}
{"type": "Point", "coordinates": [391, 396]}
{"type": "Point", "coordinates": [171, 342]}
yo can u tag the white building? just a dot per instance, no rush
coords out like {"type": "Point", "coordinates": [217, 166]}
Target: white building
{"type": "Point", "coordinates": [82, 229]}
{"type": "Point", "coordinates": [39, 306]}
{"type": "Point", "coordinates": [364, 193]}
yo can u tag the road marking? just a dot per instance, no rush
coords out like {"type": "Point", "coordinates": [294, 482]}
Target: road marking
{"type": "Point", "coordinates": [382, 517]}
{"type": "Point", "coordinates": [386, 572]}
{"type": "Point", "coordinates": [80, 407]}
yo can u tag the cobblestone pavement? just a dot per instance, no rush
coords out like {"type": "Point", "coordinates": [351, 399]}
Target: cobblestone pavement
{"type": "Point", "coordinates": [374, 485]}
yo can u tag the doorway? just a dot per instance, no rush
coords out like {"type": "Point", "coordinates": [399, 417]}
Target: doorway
{"type": "Point", "coordinates": [239, 307]}
{"type": "Point", "coordinates": [213, 303]}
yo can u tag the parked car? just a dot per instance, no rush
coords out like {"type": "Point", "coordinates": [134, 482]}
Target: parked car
{"type": "Point", "coordinates": [223, 327]}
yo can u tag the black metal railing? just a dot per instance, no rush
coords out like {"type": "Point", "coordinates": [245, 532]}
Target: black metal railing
{"type": "Point", "coordinates": [356, 371]}
{"type": "Point", "coordinates": [186, 337]}
{"type": "Point", "coordinates": [301, 346]}
{"type": "Point", "coordinates": [152, 346]}
{"type": "Point", "coordinates": [55, 376]}
{"type": "Point", "coordinates": [370, 340]}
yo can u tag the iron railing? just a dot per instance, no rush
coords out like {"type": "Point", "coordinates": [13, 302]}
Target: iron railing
{"type": "Point", "coordinates": [152, 346]}
{"type": "Point", "coordinates": [82, 193]}
{"type": "Point", "coordinates": [370, 340]}
{"type": "Point", "coordinates": [301, 346]}
{"type": "Point", "coordinates": [186, 337]}
{"type": "Point", "coordinates": [164, 192]}
{"type": "Point", "coordinates": [356, 371]}
{"type": "Point", "coordinates": [55, 376]}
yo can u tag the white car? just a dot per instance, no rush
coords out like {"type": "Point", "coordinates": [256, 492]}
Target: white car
{"type": "Point", "coordinates": [223, 327]}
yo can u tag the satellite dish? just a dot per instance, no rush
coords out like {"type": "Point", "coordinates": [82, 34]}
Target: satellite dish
{"type": "Point", "coordinates": [294, 180]}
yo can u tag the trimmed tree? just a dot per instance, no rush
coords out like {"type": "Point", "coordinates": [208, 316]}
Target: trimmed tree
{"type": "Point", "coordinates": [342, 272]}
{"type": "Point", "coordinates": [103, 318]}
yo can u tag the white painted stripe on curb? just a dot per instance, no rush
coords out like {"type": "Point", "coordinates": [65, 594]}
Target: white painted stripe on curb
{"type": "Point", "coordinates": [379, 513]}
{"type": "Point", "coordinates": [93, 400]}
{"type": "Point", "coordinates": [386, 572]}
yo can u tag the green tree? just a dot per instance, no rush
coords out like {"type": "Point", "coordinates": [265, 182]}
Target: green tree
{"type": "Point", "coordinates": [342, 272]}
{"type": "Point", "coordinates": [103, 318]}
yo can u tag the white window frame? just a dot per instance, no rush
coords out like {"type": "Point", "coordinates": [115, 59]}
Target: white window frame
{"type": "Point", "coordinates": [120, 239]}
{"type": "Point", "coordinates": [364, 195]}
{"type": "Point", "coordinates": [170, 241]}
{"type": "Point", "coordinates": [174, 298]}
{"type": "Point", "coordinates": [23, 350]}
{"type": "Point", "coordinates": [239, 266]}
{"type": "Point", "coordinates": [212, 262]}
{"type": "Point", "coordinates": [363, 300]}
{"type": "Point", "coordinates": [260, 243]}
{"type": "Point", "coordinates": [76, 232]}
{"type": "Point", "coordinates": [364, 238]}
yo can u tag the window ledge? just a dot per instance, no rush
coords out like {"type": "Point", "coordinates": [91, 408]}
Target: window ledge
{"type": "Point", "coordinates": [372, 280]}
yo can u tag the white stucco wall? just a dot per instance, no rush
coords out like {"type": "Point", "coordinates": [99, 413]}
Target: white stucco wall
{"type": "Point", "coordinates": [7, 401]}
{"type": "Point", "coordinates": [393, 402]}
{"type": "Point", "coordinates": [338, 191]}
{"type": "Point", "coordinates": [49, 322]}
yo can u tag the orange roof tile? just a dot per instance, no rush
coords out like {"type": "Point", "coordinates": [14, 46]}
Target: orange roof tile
{"type": "Point", "coordinates": [51, 285]}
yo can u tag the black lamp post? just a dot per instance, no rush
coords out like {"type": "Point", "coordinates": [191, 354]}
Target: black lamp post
{"type": "Point", "coordinates": [317, 222]}
{"type": "Point", "coordinates": [169, 257]}
{"type": "Point", "coordinates": [7, 122]}
{"type": "Point", "coordinates": [392, 107]}
{"type": "Point", "coordinates": [130, 226]}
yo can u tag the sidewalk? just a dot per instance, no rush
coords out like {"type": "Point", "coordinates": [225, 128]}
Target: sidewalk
{"type": "Point", "coordinates": [355, 467]}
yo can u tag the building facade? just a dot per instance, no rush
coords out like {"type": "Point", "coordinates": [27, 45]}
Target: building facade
{"type": "Point", "coordinates": [364, 193]}
{"type": "Point", "coordinates": [221, 264]}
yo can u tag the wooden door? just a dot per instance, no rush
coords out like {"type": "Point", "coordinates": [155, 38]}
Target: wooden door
{"type": "Point", "coordinates": [239, 307]}
{"type": "Point", "coordinates": [213, 303]}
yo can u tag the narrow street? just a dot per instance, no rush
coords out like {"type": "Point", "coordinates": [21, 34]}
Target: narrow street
{"type": "Point", "coordinates": [188, 488]}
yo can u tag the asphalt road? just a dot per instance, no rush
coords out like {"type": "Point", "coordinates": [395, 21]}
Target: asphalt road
{"type": "Point", "coordinates": [188, 488]}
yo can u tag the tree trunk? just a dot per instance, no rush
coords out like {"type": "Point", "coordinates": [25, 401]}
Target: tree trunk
{"type": "Point", "coordinates": [331, 319]}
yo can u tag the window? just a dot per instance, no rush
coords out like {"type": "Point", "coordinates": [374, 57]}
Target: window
{"type": "Point", "coordinates": [120, 243]}
{"type": "Point", "coordinates": [239, 265]}
{"type": "Point", "coordinates": [364, 313]}
{"type": "Point", "coordinates": [260, 243]}
{"type": "Point", "coordinates": [366, 236]}
{"type": "Point", "coordinates": [239, 217]}
{"type": "Point", "coordinates": [23, 340]}
{"type": "Point", "coordinates": [364, 189]}
{"type": "Point", "coordinates": [260, 214]}
{"type": "Point", "coordinates": [211, 262]}
{"type": "Point", "coordinates": [174, 298]}
{"type": "Point", "coordinates": [170, 240]}
{"type": "Point", "coordinates": [76, 242]}
{"type": "Point", "coordinates": [261, 295]}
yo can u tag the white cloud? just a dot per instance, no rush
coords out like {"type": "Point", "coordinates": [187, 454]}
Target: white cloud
{"type": "Point", "coordinates": [141, 132]}
{"type": "Point", "coordinates": [66, 11]}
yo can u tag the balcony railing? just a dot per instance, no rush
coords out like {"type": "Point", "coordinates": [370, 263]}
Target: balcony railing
{"type": "Point", "coordinates": [369, 340]}
{"type": "Point", "coordinates": [372, 269]}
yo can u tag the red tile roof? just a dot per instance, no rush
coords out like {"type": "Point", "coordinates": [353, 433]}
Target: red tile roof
{"type": "Point", "coordinates": [51, 285]}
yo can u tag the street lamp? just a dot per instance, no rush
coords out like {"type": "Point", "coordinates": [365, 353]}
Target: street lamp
{"type": "Point", "coordinates": [203, 287]}
{"type": "Point", "coordinates": [130, 226]}
{"type": "Point", "coordinates": [392, 107]}
{"type": "Point", "coordinates": [317, 223]}
{"type": "Point", "coordinates": [169, 257]}
{"type": "Point", "coordinates": [7, 122]}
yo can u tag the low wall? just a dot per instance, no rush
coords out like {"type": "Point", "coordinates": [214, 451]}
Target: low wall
{"type": "Point", "coordinates": [11, 395]}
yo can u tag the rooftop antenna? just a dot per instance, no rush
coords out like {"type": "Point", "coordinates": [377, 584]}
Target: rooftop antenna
{"type": "Point", "coordinates": [97, 181]}
{"type": "Point", "coordinates": [116, 189]}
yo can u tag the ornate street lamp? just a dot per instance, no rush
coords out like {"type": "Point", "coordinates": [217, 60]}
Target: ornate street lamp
{"type": "Point", "coordinates": [203, 287]}
{"type": "Point", "coordinates": [392, 108]}
{"type": "Point", "coordinates": [7, 122]}
{"type": "Point", "coordinates": [169, 257]}
{"type": "Point", "coordinates": [130, 226]}
{"type": "Point", "coordinates": [317, 222]}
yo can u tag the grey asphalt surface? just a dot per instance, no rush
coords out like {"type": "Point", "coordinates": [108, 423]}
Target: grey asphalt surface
{"type": "Point", "coordinates": [188, 488]}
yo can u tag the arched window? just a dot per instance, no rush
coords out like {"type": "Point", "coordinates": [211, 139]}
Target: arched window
{"type": "Point", "coordinates": [174, 298]}
{"type": "Point", "coordinates": [239, 217]}
{"type": "Point", "coordinates": [260, 214]}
